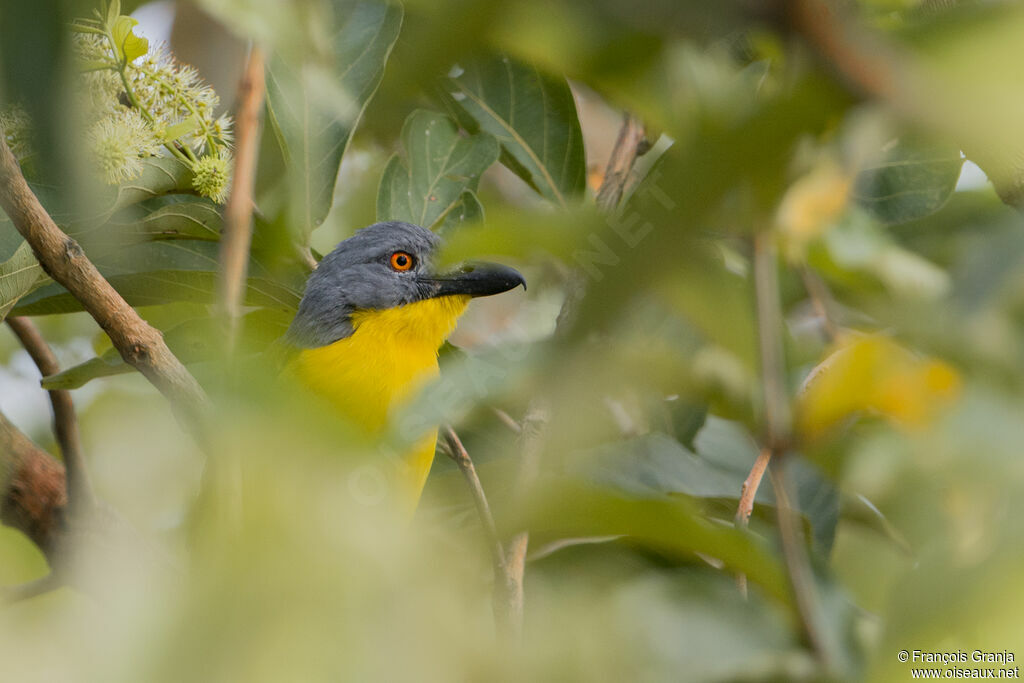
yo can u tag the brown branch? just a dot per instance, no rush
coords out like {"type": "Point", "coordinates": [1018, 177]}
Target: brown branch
{"type": "Point", "coordinates": [746, 505]}
{"type": "Point", "coordinates": [798, 566]}
{"type": "Point", "coordinates": [628, 146]}
{"type": "Point", "coordinates": [32, 490]}
{"type": "Point", "coordinates": [519, 545]}
{"type": "Point", "coordinates": [33, 500]}
{"type": "Point", "coordinates": [458, 453]}
{"type": "Point", "coordinates": [65, 425]}
{"type": "Point", "coordinates": [868, 70]}
{"type": "Point", "coordinates": [750, 487]}
{"type": "Point", "coordinates": [139, 344]}
{"type": "Point", "coordinates": [508, 590]}
{"type": "Point", "coordinates": [237, 235]}
{"type": "Point", "coordinates": [818, 294]}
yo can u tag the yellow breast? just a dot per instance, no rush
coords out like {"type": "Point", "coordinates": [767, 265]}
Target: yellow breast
{"type": "Point", "coordinates": [390, 355]}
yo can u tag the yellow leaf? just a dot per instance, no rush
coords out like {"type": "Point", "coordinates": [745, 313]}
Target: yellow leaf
{"type": "Point", "coordinates": [128, 45]}
{"type": "Point", "coordinates": [812, 204]}
{"type": "Point", "coordinates": [874, 375]}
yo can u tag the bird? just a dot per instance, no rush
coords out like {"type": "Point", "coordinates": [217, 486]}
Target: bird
{"type": "Point", "coordinates": [371, 322]}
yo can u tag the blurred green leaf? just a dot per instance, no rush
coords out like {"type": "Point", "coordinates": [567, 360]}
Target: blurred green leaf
{"type": "Point", "coordinates": [566, 509]}
{"type": "Point", "coordinates": [532, 115]}
{"type": "Point", "coordinates": [658, 464]}
{"type": "Point", "coordinates": [686, 420]}
{"type": "Point", "coordinates": [314, 107]}
{"type": "Point", "coordinates": [912, 180]}
{"type": "Point", "coordinates": [859, 252]}
{"type": "Point", "coordinates": [434, 186]}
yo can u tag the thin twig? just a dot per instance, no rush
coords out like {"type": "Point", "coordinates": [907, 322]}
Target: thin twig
{"type": "Point", "coordinates": [30, 589]}
{"type": "Point", "coordinates": [518, 546]}
{"type": "Point", "coordinates": [628, 146]}
{"type": "Point", "coordinates": [777, 421]}
{"type": "Point", "coordinates": [507, 598]}
{"type": "Point", "coordinates": [507, 420]}
{"type": "Point", "coordinates": [746, 506]}
{"type": "Point", "coordinates": [775, 402]}
{"type": "Point", "coordinates": [81, 498]}
{"type": "Point", "coordinates": [818, 294]}
{"type": "Point", "coordinates": [139, 344]}
{"type": "Point", "coordinates": [237, 235]}
{"type": "Point", "coordinates": [750, 487]}
{"type": "Point", "coordinates": [798, 566]}
{"type": "Point", "coordinates": [458, 453]}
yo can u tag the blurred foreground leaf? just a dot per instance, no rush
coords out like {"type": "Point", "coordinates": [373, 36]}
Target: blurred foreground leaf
{"type": "Point", "coordinates": [874, 375]}
{"type": "Point", "coordinates": [564, 509]}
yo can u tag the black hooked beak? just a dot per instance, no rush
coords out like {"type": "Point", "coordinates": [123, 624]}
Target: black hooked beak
{"type": "Point", "coordinates": [477, 279]}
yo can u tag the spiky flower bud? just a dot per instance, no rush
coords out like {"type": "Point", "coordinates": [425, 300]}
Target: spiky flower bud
{"type": "Point", "coordinates": [119, 142]}
{"type": "Point", "coordinates": [212, 177]}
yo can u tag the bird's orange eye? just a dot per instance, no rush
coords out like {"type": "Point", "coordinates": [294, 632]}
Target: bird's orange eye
{"type": "Point", "coordinates": [401, 261]}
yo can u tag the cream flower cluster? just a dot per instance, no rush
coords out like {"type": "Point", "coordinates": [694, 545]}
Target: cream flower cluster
{"type": "Point", "coordinates": [140, 102]}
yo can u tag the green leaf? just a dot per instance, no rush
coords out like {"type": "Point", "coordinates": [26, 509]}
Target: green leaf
{"type": "Point", "coordinates": [912, 180]}
{"type": "Point", "coordinates": [192, 341]}
{"type": "Point", "coordinates": [160, 176]}
{"type": "Point", "coordinates": [181, 128]}
{"type": "Point", "coordinates": [314, 107]}
{"type": "Point", "coordinates": [467, 211]}
{"type": "Point", "coordinates": [160, 272]}
{"type": "Point", "coordinates": [19, 275]}
{"type": "Point", "coordinates": [107, 365]}
{"type": "Point", "coordinates": [189, 219]}
{"type": "Point", "coordinates": [534, 118]}
{"type": "Point", "coordinates": [429, 187]}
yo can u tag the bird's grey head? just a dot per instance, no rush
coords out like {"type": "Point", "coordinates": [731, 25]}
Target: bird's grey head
{"type": "Point", "coordinates": [383, 266]}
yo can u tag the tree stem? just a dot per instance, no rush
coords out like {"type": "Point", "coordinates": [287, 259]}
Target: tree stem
{"type": "Point", "coordinates": [139, 344]}
{"type": "Point", "coordinates": [81, 498]}
{"type": "Point", "coordinates": [237, 236]}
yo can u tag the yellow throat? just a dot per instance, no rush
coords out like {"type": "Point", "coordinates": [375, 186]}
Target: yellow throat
{"type": "Point", "coordinates": [390, 355]}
